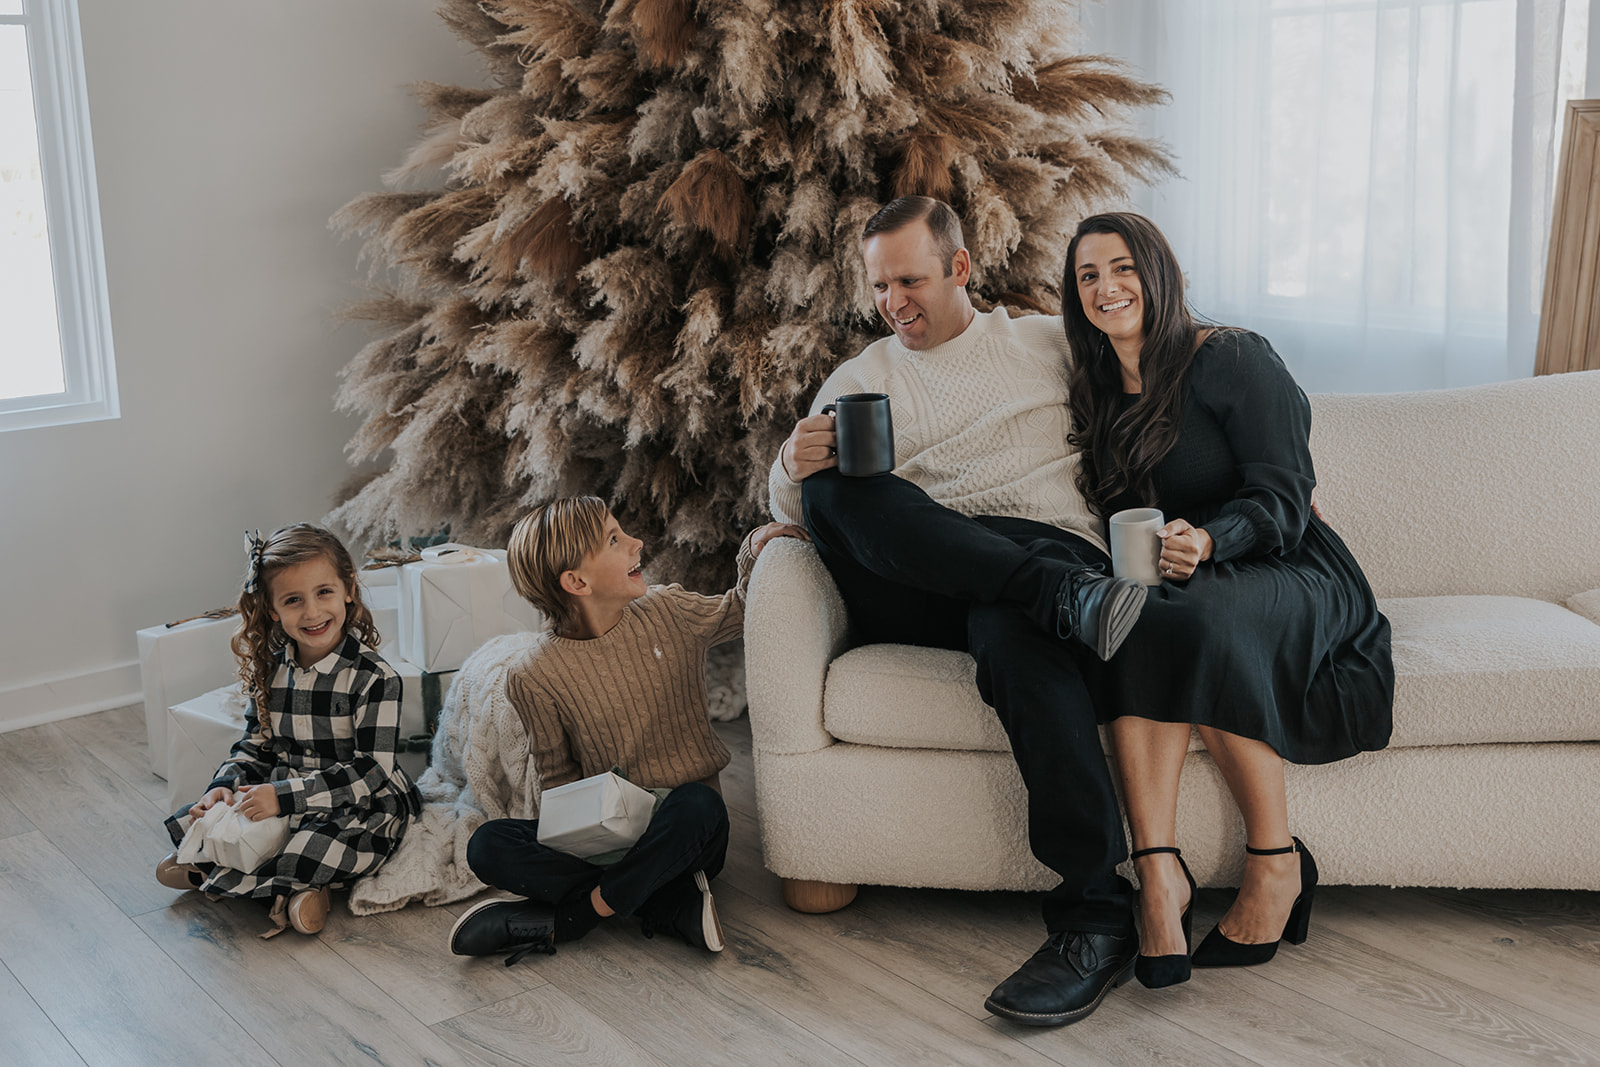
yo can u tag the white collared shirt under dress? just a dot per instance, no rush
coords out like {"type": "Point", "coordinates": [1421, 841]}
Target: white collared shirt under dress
{"type": "Point", "coordinates": [329, 749]}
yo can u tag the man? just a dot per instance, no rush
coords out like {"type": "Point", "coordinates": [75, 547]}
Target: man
{"type": "Point", "coordinates": [980, 540]}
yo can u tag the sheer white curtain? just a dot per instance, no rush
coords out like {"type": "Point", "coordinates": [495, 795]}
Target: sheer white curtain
{"type": "Point", "coordinates": [1366, 182]}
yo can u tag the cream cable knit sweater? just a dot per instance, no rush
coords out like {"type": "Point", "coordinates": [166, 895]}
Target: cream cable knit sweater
{"type": "Point", "coordinates": [980, 422]}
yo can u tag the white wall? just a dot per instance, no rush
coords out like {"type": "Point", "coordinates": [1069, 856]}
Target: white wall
{"type": "Point", "coordinates": [225, 135]}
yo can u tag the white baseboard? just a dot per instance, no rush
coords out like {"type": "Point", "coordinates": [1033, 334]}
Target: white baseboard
{"type": "Point", "coordinates": [65, 698]}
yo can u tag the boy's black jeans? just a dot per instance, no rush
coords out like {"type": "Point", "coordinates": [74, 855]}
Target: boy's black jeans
{"type": "Point", "coordinates": [689, 832]}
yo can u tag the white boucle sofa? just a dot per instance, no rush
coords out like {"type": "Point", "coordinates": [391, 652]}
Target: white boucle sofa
{"type": "Point", "coordinates": [1476, 515]}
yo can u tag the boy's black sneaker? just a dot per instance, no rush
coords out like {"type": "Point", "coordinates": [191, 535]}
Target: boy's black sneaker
{"type": "Point", "coordinates": [684, 908]}
{"type": "Point", "coordinates": [517, 927]}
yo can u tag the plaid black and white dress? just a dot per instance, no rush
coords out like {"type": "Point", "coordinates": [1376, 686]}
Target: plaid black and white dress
{"type": "Point", "coordinates": [329, 748]}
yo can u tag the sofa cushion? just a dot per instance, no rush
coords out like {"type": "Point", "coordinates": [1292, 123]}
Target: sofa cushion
{"type": "Point", "coordinates": [1507, 469]}
{"type": "Point", "coordinates": [1481, 669]}
{"type": "Point", "coordinates": [1469, 670]}
{"type": "Point", "coordinates": [902, 696]}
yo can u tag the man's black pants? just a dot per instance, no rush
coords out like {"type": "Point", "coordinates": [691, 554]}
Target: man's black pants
{"type": "Point", "coordinates": [912, 571]}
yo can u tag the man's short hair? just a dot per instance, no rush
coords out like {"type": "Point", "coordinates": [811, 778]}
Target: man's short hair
{"type": "Point", "coordinates": [942, 222]}
{"type": "Point", "coordinates": [549, 541]}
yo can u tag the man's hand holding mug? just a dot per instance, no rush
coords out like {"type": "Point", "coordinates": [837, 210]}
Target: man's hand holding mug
{"type": "Point", "coordinates": [812, 446]}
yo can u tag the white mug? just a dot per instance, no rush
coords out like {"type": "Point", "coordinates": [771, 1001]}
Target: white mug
{"type": "Point", "coordinates": [1135, 548]}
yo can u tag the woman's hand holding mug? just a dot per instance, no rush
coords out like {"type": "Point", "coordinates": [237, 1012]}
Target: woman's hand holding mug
{"type": "Point", "coordinates": [1183, 547]}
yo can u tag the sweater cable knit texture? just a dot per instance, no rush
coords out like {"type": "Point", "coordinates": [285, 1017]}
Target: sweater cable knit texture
{"type": "Point", "coordinates": [980, 422]}
{"type": "Point", "coordinates": [634, 697]}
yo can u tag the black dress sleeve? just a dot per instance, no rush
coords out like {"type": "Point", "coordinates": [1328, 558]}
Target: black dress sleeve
{"type": "Point", "coordinates": [1267, 422]}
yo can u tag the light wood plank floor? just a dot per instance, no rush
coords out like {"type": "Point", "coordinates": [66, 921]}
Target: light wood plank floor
{"type": "Point", "coordinates": [100, 965]}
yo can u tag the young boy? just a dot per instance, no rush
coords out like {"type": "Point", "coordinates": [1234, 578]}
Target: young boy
{"type": "Point", "coordinates": [618, 682]}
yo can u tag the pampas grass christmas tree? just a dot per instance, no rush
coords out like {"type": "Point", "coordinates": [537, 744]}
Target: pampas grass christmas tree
{"type": "Point", "coordinates": [638, 257]}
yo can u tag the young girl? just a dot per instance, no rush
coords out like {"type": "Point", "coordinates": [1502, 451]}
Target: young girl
{"type": "Point", "coordinates": [323, 753]}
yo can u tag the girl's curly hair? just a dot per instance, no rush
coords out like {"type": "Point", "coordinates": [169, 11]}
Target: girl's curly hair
{"type": "Point", "coordinates": [260, 639]}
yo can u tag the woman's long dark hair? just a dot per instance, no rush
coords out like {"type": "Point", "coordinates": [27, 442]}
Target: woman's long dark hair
{"type": "Point", "coordinates": [1121, 449]}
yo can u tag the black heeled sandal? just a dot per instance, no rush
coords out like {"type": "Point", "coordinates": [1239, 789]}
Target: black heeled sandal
{"type": "Point", "coordinates": [1158, 972]}
{"type": "Point", "coordinates": [1219, 950]}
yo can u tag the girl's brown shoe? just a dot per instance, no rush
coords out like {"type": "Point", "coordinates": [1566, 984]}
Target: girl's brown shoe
{"type": "Point", "coordinates": [308, 910]}
{"type": "Point", "coordinates": [175, 875]}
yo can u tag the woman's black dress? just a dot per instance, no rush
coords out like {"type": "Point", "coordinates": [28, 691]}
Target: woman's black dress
{"type": "Point", "coordinates": [1277, 636]}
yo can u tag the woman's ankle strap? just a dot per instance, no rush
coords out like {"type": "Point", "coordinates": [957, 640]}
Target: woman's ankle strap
{"type": "Point", "coordinates": [1273, 851]}
{"type": "Point", "coordinates": [1153, 851]}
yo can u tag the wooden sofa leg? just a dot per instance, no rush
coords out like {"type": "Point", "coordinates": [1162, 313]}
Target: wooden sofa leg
{"type": "Point", "coordinates": [815, 898]}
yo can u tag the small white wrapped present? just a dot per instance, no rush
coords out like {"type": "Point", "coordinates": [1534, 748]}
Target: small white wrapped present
{"type": "Point", "coordinates": [178, 663]}
{"type": "Point", "coordinates": [454, 600]}
{"type": "Point", "coordinates": [200, 734]}
{"type": "Point", "coordinates": [598, 814]}
{"type": "Point", "coordinates": [225, 837]}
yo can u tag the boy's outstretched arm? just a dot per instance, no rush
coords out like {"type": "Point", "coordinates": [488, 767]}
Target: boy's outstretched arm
{"type": "Point", "coordinates": [721, 618]}
{"type": "Point", "coordinates": [772, 530]}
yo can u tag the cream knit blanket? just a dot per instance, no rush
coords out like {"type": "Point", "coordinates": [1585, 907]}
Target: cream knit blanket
{"type": "Point", "coordinates": [480, 770]}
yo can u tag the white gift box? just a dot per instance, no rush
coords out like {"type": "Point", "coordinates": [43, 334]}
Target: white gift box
{"type": "Point", "coordinates": [454, 600]}
{"type": "Point", "coordinates": [225, 837]}
{"type": "Point", "coordinates": [598, 814]}
{"type": "Point", "coordinates": [200, 734]}
{"type": "Point", "coordinates": [380, 591]}
{"type": "Point", "coordinates": [378, 577]}
{"type": "Point", "coordinates": [178, 663]}
{"type": "Point", "coordinates": [384, 604]}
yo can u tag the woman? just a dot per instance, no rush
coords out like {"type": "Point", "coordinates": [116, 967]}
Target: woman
{"type": "Point", "coordinates": [1263, 634]}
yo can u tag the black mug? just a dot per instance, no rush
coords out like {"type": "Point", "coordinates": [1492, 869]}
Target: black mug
{"type": "Point", "coordinates": [865, 433]}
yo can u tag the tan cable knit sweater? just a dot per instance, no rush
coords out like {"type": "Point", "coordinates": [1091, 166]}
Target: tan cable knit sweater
{"type": "Point", "coordinates": [634, 697]}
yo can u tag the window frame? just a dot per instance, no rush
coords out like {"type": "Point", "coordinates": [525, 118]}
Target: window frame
{"type": "Point", "coordinates": [72, 213]}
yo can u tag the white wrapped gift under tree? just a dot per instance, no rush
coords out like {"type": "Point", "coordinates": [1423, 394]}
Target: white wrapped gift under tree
{"type": "Point", "coordinates": [454, 600]}
{"type": "Point", "coordinates": [200, 734]}
{"type": "Point", "coordinates": [377, 574]}
{"type": "Point", "coordinates": [178, 662]}
{"type": "Point", "coordinates": [380, 592]}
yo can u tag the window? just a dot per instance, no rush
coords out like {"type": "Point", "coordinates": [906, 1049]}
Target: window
{"type": "Point", "coordinates": [1366, 182]}
{"type": "Point", "coordinates": [56, 362]}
